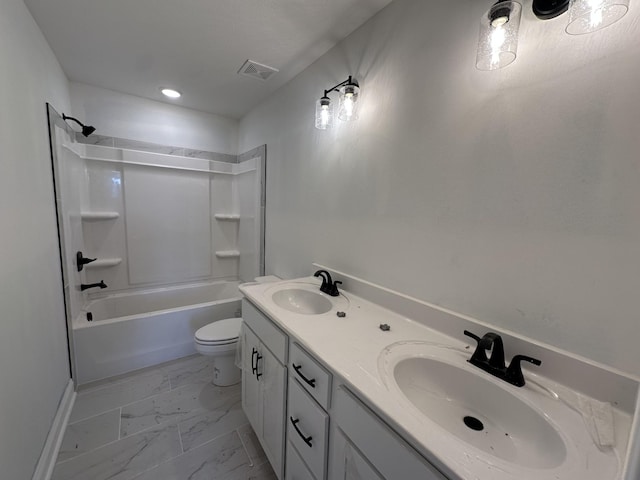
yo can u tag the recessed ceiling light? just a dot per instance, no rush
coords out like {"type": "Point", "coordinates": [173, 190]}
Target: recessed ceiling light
{"type": "Point", "coordinates": [171, 93]}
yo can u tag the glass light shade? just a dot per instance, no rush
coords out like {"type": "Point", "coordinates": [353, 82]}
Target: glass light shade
{"type": "Point", "coordinates": [324, 113]}
{"type": "Point", "coordinates": [498, 42]}
{"type": "Point", "coordinates": [348, 107]}
{"type": "Point", "coordinates": [586, 16]}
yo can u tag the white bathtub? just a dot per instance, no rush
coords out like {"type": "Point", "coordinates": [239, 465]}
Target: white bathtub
{"type": "Point", "coordinates": [135, 330]}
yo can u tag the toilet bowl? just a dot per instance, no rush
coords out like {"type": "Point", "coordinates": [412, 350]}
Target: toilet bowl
{"type": "Point", "coordinates": [219, 340]}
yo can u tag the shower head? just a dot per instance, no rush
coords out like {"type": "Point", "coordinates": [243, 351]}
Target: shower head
{"type": "Point", "coordinates": [86, 129]}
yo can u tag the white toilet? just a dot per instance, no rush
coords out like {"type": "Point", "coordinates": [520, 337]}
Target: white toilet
{"type": "Point", "coordinates": [219, 340]}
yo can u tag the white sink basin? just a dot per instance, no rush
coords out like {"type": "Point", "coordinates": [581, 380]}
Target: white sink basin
{"type": "Point", "coordinates": [305, 298]}
{"type": "Point", "coordinates": [301, 301]}
{"type": "Point", "coordinates": [477, 408]}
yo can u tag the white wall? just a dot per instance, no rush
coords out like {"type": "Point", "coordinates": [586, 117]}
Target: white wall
{"type": "Point", "coordinates": [34, 367]}
{"type": "Point", "coordinates": [120, 115]}
{"type": "Point", "coordinates": [511, 196]}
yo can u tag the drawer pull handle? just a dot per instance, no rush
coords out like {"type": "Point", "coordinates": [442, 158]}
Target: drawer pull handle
{"type": "Point", "coordinates": [254, 364]}
{"type": "Point", "coordinates": [258, 374]}
{"type": "Point", "coordinates": [306, 440]}
{"type": "Point", "coordinates": [311, 383]}
{"type": "Point", "coordinates": [254, 368]}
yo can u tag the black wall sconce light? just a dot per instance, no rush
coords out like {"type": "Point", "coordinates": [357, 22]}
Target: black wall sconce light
{"type": "Point", "coordinates": [349, 90]}
{"type": "Point", "coordinates": [498, 43]}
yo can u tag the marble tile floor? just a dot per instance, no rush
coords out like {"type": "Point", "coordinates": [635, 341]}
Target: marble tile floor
{"type": "Point", "coordinates": [163, 423]}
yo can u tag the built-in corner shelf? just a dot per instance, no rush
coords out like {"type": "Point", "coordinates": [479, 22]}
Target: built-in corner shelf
{"type": "Point", "coordinates": [229, 217]}
{"type": "Point", "coordinates": [94, 216]}
{"type": "Point", "coordinates": [104, 263]}
{"type": "Point", "coordinates": [227, 254]}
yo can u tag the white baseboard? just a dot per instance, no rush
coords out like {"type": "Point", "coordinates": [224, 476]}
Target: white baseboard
{"type": "Point", "coordinates": [49, 454]}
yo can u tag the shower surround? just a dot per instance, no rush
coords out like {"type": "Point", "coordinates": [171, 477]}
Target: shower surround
{"type": "Point", "coordinates": [155, 223]}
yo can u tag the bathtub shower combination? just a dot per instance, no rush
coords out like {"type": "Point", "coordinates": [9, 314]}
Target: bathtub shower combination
{"type": "Point", "coordinates": [135, 330]}
{"type": "Point", "coordinates": [169, 237]}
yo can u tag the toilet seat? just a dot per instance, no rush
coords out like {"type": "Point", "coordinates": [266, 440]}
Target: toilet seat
{"type": "Point", "coordinates": [222, 332]}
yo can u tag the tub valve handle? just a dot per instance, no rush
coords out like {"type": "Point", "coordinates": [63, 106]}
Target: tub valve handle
{"type": "Point", "coordinates": [81, 260]}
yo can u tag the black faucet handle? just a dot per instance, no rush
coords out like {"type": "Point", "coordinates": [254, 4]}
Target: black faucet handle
{"type": "Point", "coordinates": [491, 341]}
{"type": "Point", "coordinates": [333, 289]}
{"type": "Point", "coordinates": [472, 335]}
{"type": "Point", "coordinates": [494, 341]}
{"type": "Point", "coordinates": [480, 354]}
{"type": "Point", "coordinates": [514, 372]}
{"type": "Point", "coordinates": [328, 286]}
{"type": "Point", "coordinates": [524, 358]}
{"type": "Point", "coordinates": [81, 260]}
{"type": "Point", "coordinates": [324, 275]}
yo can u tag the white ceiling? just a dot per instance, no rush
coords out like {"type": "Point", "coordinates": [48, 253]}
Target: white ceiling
{"type": "Point", "coordinates": [196, 46]}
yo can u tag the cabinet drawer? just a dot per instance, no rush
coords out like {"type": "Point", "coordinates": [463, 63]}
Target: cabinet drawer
{"type": "Point", "coordinates": [307, 426]}
{"type": "Point", "coordinates": [270, 335]}
{"type": "Point", "coordinates": [387, 452]}
{"type": "Point", "coordinates": [296, 469]}
{"type": "Point", "coordinates": [311, 375]}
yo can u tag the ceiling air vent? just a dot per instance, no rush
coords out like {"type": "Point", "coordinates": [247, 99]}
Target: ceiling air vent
{"type": "Point", "coordinates": [257, 70]}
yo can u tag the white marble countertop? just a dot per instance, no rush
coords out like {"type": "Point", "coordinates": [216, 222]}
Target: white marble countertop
{"type": "Point", "coordinates": [353, 347]}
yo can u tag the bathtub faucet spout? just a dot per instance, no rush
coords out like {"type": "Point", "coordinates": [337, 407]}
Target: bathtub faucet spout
{"type": "Point", "coordinates": [84, 286]}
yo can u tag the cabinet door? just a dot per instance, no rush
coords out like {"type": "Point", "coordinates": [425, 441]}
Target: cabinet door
{"type": "Point", "coordinates": [382, 448]}
{"type": "Point", "coordinates": [273, 378]}
{"type": "Point", "coordinates": [348, 463]}
{"type": "Point", "coordinates": [296, 469]}
{"type": "Point", "coordinates": [250, 382]}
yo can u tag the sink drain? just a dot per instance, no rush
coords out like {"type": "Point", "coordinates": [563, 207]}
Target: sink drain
{"type": "Point", "coordinates": [473, 423]}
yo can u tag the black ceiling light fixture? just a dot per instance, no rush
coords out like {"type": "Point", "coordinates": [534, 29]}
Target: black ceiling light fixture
{"type": "Point", "coordinates": [349, 91]}
{"type": "Point", "coordinates": [86, 129]}
{"type": "Point", "coordinates": [547, 9]}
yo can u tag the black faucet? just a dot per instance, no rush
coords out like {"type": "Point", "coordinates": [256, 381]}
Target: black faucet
{"type": "Point", "coordinates": [495, 364]}
{"type": "Point", "coordinates": [328, 287]}
{"type": "Point", "coordinates": [83, 286]}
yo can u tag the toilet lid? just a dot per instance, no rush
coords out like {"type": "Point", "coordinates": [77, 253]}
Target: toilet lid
{"type": "Point", "coordinates": [220, 331]}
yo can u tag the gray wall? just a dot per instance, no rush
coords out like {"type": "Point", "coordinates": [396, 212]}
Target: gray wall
{"type": "Point", "coordinates": [33, 344]}
{"type": "Point", "coordinates": [511, 196]}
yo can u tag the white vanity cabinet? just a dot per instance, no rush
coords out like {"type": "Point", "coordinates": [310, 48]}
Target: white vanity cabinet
{"type": "Point", "coordinates": [293, 401]}
{"type": "Point", "coordinates": [264, 382]}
